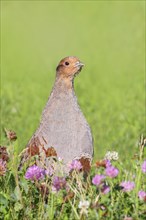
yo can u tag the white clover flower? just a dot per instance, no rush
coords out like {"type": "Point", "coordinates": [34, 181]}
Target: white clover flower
{"type": "Point", "coordinates": [111, 155]}
{"type": "Point", "coordinates": [84, 205]}
{"type": "Point", "coordinates": [115, 155]}
{"type": "Point", "coordinates": [60, 159]}
{"type": "Point", "coordinates": [108, 156]}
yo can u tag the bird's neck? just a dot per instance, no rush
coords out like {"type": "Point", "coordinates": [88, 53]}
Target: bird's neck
{"type": "Point", "coordinates": [64, 84]}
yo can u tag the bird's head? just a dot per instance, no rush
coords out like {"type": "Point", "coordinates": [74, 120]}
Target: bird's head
{"type": "Point", "coordinates": [69, 67]}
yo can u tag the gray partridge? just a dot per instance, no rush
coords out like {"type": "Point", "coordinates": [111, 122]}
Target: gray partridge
{"type": "Point", "coordinates": [63, 130]}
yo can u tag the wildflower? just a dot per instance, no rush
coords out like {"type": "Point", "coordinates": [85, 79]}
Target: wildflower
{"type": "Point", "coordinates": [127, 186]}
{"type": "Point", "coordinates": [142, 195]}
{"type": "Point", "coordinates": [75, 165]}
{"type": "Point", "coordinates": [58, 183]}
{"type": "Point", "coordinates": [3, 153]}
{"type": "Point", "coordinates": [112, 155]}
{"type": "Point", "coordinates": [143, 167]}
{"type": "Point", "coordinates": [105, 189]}
{"type": "Point", "coordinates": [60, 159]}
{"type": "Point", "coordinates": [34, 173]}
{"type": "Point", "coordinates": [111, 171]}
{"type": "Point", "coordinates": [49, 171]}
{"type": "Point", "coordinates": [2, 167]}
{"type": "Point", "coordinates": [97, 179]}
{"type": "Point", "coordinates": [11, 135]}
{"type": "Point", "coordinates": [84, 205]}
{"type": "Point", "coordinates": [107, 163]}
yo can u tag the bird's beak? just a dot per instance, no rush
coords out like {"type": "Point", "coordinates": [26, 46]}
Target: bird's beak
{"type": "Point", "coordinates": [79, 64]}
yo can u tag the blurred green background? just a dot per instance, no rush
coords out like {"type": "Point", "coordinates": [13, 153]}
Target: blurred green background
{"type": "Point", "coordinates": [108, 36]}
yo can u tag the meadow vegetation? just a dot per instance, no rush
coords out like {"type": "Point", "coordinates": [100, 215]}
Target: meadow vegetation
{"type": "Point", "coordinates": [109, 191]}
{"type": "Point", "coordinates": [109, 37]}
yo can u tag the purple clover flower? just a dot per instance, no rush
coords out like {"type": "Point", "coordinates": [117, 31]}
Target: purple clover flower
{"type": "Point", "coordinates": [107, 163]}
{"type": "Point", "coordinates": [111, 171]}
{"type": "Point", "coordinates": [35, 173]}
{"type": "Point", "coordinates": [105, 189]}
{"type": "Point", "coordinates": [127, 186]}
{"type": "Point", "coordinates": [97, 179]}
{"type": "Point", "coordinates": [58, 183]}
{"type": "Point", "coordinates": [75, 165]}
{"type": "Point", "coordinates": [143, 167]}
{"type": "Point", "coordinates": [49, 171]}
{"type": "Point", "coordinates": [142, 195]}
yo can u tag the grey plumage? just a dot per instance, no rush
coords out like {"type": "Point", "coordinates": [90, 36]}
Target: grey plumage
{"type": "Point", "coordinates": [63, 125]}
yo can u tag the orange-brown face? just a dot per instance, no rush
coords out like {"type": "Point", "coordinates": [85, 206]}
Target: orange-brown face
{"type": "Point", "coordinates": [69, 67]}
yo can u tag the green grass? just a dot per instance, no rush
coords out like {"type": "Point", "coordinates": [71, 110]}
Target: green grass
{"type": "Point", "coordinates": [108, 36]}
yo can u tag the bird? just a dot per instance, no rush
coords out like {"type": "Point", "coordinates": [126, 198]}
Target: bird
{"type": "Point", "coordinates": [63, 130]}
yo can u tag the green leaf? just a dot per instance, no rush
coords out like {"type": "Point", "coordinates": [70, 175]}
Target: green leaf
{"type": "Point", "coordinates": [18, 206]}
{"type": "Point", "coordinates": [3, 199]}
{"type": "Point", "coordinates": [17, 193]}
{"type": "Point", "coordinates": [24, 185]}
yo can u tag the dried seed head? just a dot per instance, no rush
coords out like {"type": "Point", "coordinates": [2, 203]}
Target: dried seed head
{"type": "Point", "coordinates": [3, 153]}
{"type": "Point", "coordinates": [2, 167]}
{"type": "Point", "coordinates": [11, 135]}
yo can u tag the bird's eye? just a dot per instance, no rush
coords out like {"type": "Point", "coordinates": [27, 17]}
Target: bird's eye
{"type": "Point", "coordinates": [66, 63]}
